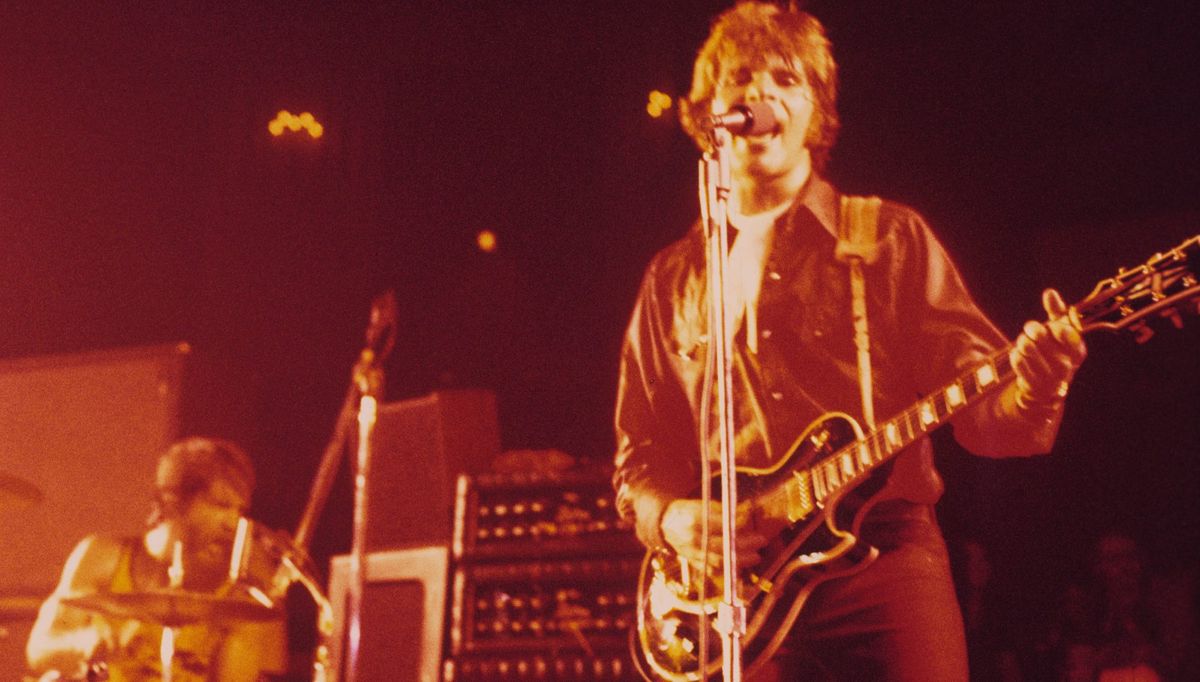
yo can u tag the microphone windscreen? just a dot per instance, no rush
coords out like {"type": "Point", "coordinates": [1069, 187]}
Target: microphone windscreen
{"type": "Point", "coordinates": [760, 118]}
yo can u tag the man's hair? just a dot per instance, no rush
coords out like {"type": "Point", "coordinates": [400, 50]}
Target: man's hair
{"type": "Point", "coordinates": [759, 29]}
{"type": "Point", "coordinates": [190, 466]}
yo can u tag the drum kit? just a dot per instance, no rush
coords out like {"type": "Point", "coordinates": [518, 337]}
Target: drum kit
{"type": "Point", "coordinates": [258, 552]}
{"type": "Point", "coordinates": [173, 608]}
{"type": "Point", "coordinates": [248, 596]}
{"type": "Point", "coordinates": [169, 608]}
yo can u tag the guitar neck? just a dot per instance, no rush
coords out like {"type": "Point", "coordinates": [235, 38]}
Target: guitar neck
{"type": "Point", "coordinates": [851, 464]}
{"type": "Point", "coordinates": [1163, 287]}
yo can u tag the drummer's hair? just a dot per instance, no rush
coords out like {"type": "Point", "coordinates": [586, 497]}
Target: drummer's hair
{"type": "Point", "coordinates": [187, 468]}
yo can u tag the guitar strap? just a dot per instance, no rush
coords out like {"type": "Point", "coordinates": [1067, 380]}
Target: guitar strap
{"type": "Point", "coordinates": [858, 223]}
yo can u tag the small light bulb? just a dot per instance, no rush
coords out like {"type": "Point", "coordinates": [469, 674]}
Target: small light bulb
{"type": "Point", "coordinates": [486, 240]}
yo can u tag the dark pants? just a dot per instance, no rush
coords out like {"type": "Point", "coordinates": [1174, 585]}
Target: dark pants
{"type": "Point", "coordinates": [898, 619]}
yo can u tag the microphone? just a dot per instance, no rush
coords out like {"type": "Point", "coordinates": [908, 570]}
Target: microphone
{"type": "Point", "coordinates": [752, 118]}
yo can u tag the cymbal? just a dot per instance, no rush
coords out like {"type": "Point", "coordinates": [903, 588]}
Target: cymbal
{"type": "Point", "coordinates": [17, 492]}
{"type": "Point", "coordinates": [173, 608]}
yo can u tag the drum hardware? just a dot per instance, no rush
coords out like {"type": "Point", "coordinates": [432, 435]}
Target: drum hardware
{"type": "Point", "coordinates": [172, 608]}
{"type": "Point", "coordinates": [263, 563]}
{"type": "Point", "coordinates": [253, 544]}
{"type": "Point", "coordinates": [93, 671]}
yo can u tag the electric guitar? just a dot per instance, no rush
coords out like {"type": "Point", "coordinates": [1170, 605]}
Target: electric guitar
{"type": "Point", "coordinates": [811, 487]}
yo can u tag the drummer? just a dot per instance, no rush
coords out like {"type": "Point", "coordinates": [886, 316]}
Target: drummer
{"type": "Point", "coordinates": [202, 490]}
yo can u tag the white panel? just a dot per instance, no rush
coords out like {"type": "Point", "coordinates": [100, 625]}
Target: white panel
{"type": "Point", "coordinates": [426, 565]}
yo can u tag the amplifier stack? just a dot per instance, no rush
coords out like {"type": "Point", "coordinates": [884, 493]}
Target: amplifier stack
{"type": "Point", "coordinates": [544, 581]}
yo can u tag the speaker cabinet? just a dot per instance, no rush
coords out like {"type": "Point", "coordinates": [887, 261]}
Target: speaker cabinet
{"type": "Point", "coordinates": [403, 611]}
{"type": "Point", "coordinates": [420, 448]}
{"type": "Point", "coordinates": [86, 430]}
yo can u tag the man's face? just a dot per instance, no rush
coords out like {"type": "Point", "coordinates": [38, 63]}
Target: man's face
{"type": "Point", "coordinates": [781, 83]}
{"type": "Point", "coordinates": [210, 521]}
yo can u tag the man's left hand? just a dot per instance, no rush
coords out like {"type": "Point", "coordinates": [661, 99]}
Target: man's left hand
{"type": "Point", "coordinates": [1046, 354]}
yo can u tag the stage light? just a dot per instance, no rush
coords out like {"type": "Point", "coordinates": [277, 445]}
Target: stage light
{"type": "Point", "coordinates": [286, 120]}
{"type": "Point", "coordinates": [486, 240]}
{"type": "Point", "coordinates": [658, 103]}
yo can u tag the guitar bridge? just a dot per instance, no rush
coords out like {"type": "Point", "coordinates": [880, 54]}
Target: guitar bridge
{"type": "Point", "coordinates": [799, 496]}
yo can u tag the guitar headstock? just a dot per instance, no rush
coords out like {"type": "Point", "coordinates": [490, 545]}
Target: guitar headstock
{"type": "Point", "coordinates": [1161, 288]}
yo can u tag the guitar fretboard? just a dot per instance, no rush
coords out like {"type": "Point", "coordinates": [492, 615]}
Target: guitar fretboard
{"type": "Point", "coordinates": [810, 487]}
{"type": "Point", "coordinates": [1161, 287]}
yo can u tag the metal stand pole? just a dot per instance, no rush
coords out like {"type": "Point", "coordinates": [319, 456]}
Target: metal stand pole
{"type": "Point", "coordinates": [366, 424]}
{"type": "Point", "coordinates": [368, 380]}
{"type": "Point", "coordinates": [731, 617]}
{"type": "Point", "coordinates": [166, 648]}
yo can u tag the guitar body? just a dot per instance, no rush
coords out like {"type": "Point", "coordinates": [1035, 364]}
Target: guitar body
{"type": "Point", "coordinates": [820, 547]}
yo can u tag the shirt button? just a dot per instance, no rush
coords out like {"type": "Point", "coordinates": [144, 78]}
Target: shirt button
{"type": "Point", "coordinates": [774, 275]}
{"type": "Point", "coordinates": [818, 333]}
{"type": "Point", "coordinates": [776, 395]}
{"type": "Point", "coordinates": [766, 333]}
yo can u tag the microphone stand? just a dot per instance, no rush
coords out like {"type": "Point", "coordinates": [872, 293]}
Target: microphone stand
{"type": "Point", "coordinates": [368, 377]}
{"type": "Point", "coordinates": [716, 180]}
{"type": "Point", "coordinates": [361, 402]}
{"type": "Point", "coordinates": [327, 470]}
{"type": "Point", "coordinates": [368, 380]}
{"type": "Point", "coordinates": [318, 495]}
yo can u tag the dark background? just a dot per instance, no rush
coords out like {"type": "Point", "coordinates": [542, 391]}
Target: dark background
{"type": "Point", "coordinates": [143, 201]}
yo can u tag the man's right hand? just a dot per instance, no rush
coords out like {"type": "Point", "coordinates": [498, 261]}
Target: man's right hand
{"type": "Point", "coordinates": [683, 528]}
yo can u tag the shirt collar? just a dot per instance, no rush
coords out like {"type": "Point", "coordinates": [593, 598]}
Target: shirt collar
{"type": "Point", "coordinates": [758, 224]}
{"type": "Point", "coordinates": [819, 197]}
